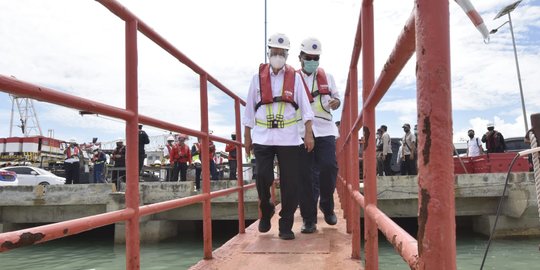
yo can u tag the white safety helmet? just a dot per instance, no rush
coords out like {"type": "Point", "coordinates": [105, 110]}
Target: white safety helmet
{"type": "Point", "coordinates": [490, 125]}
{"type": "Point", "coordinates": [170, 138]}
{"type": "Point", "coordinates": [72, 140]}
{"type": "Point", "coordinates": [311, 46]}
{"type": "Point", "coordinates": [279, 40]}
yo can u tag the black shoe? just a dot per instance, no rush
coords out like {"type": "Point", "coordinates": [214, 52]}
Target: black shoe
{"type": "Point", "coordinates": [330, 218]}
{"type": "Point", "coordinates": [309, 227]}
{"type": "Point", "coordinates": [286, 235]}
{"type": "Point", "coordinates": [264, 224]}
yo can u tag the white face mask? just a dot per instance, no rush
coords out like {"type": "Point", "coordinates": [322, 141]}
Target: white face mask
{"type": "Point", "coordinates": [277, 61]}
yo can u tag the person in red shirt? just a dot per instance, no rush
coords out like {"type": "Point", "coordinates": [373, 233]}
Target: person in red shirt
{"type": "Point", "coordinates": [231, 149]}
{"type": "Point", "coordinates": [181, 158]}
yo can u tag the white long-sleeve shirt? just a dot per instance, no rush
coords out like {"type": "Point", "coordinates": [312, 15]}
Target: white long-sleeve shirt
{"type": "Point", "coordinates": [287, 136]}
{"type": "Point", "coordinates": [321, 127]}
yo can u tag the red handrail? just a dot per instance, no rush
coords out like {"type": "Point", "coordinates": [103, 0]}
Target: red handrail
{"type": "Point", "coordinates": [426, 32]}
{"type": "Point", "coordinates": [130, 115]}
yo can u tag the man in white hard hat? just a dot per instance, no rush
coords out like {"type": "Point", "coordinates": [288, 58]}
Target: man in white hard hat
{"type": "Point", "coordinates": [71, 163]}
{"type": "Point", "coordinates": [319, 167]}
{"type": "Point", "coordinates": [270, 119]}
{"type": "Point", "coordinates": [167, 156]}
{"type": "Point", "coordinates": [494, 140]}
{"type": "Point", "coordinates": [99, 160]}
{"type": "Point", "coordinates": [231, 149]}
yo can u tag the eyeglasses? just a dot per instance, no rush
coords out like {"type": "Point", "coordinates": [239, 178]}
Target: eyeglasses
{"type": "Point", "coordinates": [310, 57]}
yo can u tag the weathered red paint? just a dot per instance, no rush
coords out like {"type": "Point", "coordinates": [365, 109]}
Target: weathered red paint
{"type": "Point", "coordinates": [132, 141]}
{"type": "Point", "coordinates": [370, 178]}
{"type": "Point", "coordinates": [436, 221]}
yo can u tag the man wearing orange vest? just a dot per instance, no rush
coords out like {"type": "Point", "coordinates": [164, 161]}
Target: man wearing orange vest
{"type": "Point", "coordinates": [270, 119]}
{"type": "Point", "coordinates": [231, 149]}
{"type": "Point", "coordinates": [180, 157]}
{"type": "Point", "coordinates": [71, 163]}
{"type": "Point", "coordinates": [320, 166]}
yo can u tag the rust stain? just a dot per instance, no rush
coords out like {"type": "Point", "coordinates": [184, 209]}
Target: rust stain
{"type": "Point", "coordinates": [423, 50]}
{"type": "Point", "coordinates": [427, 143]}
{"type": "Point", "coordinates": [422, 218]}
{"type": "Point", "coordinates": [367, 134]}
{"type": "Point", "coordinates": [26, 239]}
{"type": "Point", "coordinates": [65, 231]}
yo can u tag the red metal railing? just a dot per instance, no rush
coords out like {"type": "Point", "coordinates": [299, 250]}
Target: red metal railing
{"type": "Point", "coordinates": [426, 32]}
{"type": "Point", "coordinates": [130, 115]}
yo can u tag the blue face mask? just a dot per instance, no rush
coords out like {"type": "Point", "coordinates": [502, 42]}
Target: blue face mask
{"type": "Point", "coordinates": [310, 66]}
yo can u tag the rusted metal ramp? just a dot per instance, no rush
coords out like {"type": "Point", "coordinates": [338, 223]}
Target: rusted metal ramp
{"type": "Point", "coordinates": [328, 248]}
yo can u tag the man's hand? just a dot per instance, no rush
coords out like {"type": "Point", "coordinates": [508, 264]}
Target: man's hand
{"type": "Point", "coordinates": [309, 142]}
{"type": "Point", "coordinates": [334, 103]}
{"type": "Point", "coordinates": [247, 144]}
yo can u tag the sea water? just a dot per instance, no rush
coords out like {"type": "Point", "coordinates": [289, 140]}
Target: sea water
{"type": "Point", "coordinates": [90, 251]}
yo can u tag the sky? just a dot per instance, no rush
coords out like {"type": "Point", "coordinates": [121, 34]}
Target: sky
{"type": "Point", "coordinates": [77, 47]}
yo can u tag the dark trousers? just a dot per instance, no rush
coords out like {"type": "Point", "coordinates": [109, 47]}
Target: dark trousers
{"type": "Point", "coordinates": [408, 166]}
{"type": "Point", "coordinates": [325, 172]}
{"type": "Point", "coordinates": [72, 172]}
{"type": "Point", "coordinates": [214, 174]}
{"type": "Point", "coordinates": [98, 173]}
{"type": "Point", "coordinates": [289, 173]}
{"type": "Point", "coordinates": [179, 167]}
{"type": "Point", "coordinates": [308, 203]}
{"type": "Point", "coordinates": [387, 165]}
{"type": "Point", "coordinates": [141, 161]}
{"type": "Point", "coordinates": [232, 169]}
{"type": "Point", "coordinates": [198, 171]}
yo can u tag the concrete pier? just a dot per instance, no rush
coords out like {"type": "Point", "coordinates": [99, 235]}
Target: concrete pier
{"type": "Point", "coordinates": [477, 197]}
{"type": "Point", "coordinates": [24, 206]}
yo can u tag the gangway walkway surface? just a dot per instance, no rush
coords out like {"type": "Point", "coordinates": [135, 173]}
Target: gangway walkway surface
{"type": "Point", "coordinates": [327, 248]}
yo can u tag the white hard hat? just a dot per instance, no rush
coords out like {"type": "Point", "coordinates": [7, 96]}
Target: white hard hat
{"type": "Point", "coordinates": [157, 162]}
{"type": "Point", "coordinates": [279, 40]}
{"type": "Point", "coordinates": [490, 125]}
{"type": "Point", "coordinates": [233, 133]}
{"type": "Point", "coordinates": [170, 138]}
{"type": "Point", "coordinates": [311, 46]}
{"type": "Point", "coordinates": [72, 140]}
{"type": "Point", "coordinates": [120, 140]}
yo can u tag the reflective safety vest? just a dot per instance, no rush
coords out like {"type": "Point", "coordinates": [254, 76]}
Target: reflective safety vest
{"type": "Point", "coordinates": [195, 156]}
{"type": "Point", "coordinates": [318, 89]}
{"type": "Point", "coordinates": [75, 153]}
{"type": "Point", "coordinates": [267, 98]}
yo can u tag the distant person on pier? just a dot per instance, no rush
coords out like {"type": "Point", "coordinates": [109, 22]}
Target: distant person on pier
{"type": "Point", "coordinates": [386, 150]}
{"type": "Point", "coordinates": [408, 150]}
{"type": "Point", "coordinates": [379, 152]}
{"type": "Point", "coordinates": [99, 160]}
{"type": "Point", "coordinates": [167, 150]}
{"type": "Point", "coordinates": [143, 140]}
{"type": "Point", "coordinates": [71, 163]}
{"type": "Point", "coordinates": [196, 157]}
{"type": "Point", "coordinates": [231, 149]}
{"type": "Point", "coordinates": [181, 158]}
{"type": "Point", "coordinates": [319, 166]}
{"type": "Point", "coordinates": [119, 158]}
{"type": "Point", "coordinates": [270, 120]}
{"type": "Point", "coordinates": [474, 145]}
{"type": "Point", "coordinates": [494, 140]}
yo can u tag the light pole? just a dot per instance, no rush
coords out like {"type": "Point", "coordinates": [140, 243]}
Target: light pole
{"type": "Point", "coordinates": [504, 11]}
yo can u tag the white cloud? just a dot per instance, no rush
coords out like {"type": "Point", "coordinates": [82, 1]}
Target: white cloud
{"type": "Point", "coordinates": [78, 47]}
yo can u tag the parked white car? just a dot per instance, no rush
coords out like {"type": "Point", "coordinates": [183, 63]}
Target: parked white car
{"type": "Point", "coordinates": [28, 175]}
{"type": "Point", "coordinates": [8, 178]}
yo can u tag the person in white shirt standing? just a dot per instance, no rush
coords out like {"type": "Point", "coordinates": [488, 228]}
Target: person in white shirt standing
{"type": "Point", "coordinates": [474, 145]}
{"type": "Point", "coordinates": [71, 163]}
{"type": "Point", "coordinates": [270, 119]}
{"type": "Point", "coordinates": [386, 150]}
{"type": "Point", "coordinates": [320, 167]}
{"type": "Point", "coordinates": [408, 161]}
